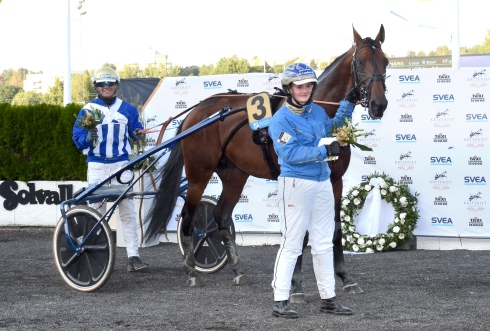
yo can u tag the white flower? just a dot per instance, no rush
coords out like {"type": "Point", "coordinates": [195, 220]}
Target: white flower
{"type": "Point", "coordinates": [403, 201]}
{"type": "Point", "coordinates": [402, 221]}
{"type": "Point", "coordinates": [360, 241]}
{"type": "Point", "coordinates": [393, 189]}
{"type": "Point", "coordinates": [413, 208]}
{"type": "Point", "coordinates": [369, 243]}
{"type": "Point", "coordinates": [343, 241]}
{"type": "Point", "coordinates": [367, 187]}
{"type": "Point", "coordinates": [355, 193]}
{"type": "Point", "coordinates": [357, 235]}
{"type": "Point", "coordinates": [381, 241]}
{"type": "Point", "coordinates": [383, 184]}
{"type": "Point", "coordinates": [342, 213]}
{"type": "Point", "coordinates": [355, 248]}
{"type": "Point", "coordinates": [357, 201]}
{"type": "Point", "coordinates": [347, 218]}
{"type": "Point", "coordinates": [342, 225]}
{"type": "Point", "coordinates": [369, 250]}
{"type": "Point", "coordinates": [383, 192]}
{"type": "Point", "coordinates": [351, 229]}
{"type": "Point", "coordinates": [403, 215]}
{"type": "Point", "coordinates": [345, 202]}
{"type": "Point", "coordinates": [379, 247]}
{"type": "Point", "coordinates": [396, 229]}
{"type": "Point", "coordinates": [392, 244]}
{"type": "Point", "coordinates": [394, 200]}
{"type": "Point", "coordinates": [348, 238]}
{"type": "Point", "coordinates": [401, 236]}
{"type": "Point", "coordinates": [397, 220]}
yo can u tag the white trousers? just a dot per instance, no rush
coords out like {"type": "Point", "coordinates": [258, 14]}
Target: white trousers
{"type": "Point", "coordinates": [98, 171]}
{"type": "Point", "coordinates": [305, 205]}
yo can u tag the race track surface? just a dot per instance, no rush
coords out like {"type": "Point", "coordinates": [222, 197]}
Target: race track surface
{"type": "Point", "coordinates": [403, 290]}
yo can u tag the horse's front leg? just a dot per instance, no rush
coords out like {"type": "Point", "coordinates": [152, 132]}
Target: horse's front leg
{"type": "Point", "coordinates": [189, 262]}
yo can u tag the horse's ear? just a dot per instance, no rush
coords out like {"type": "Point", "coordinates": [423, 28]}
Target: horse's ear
{"type": "Point", "coordinates": [380, 38]}
{"type": "Point", "coordinates": [357, 37]}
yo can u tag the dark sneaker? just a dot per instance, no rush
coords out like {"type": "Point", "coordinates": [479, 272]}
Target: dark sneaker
{"type": "Point", "coordinates": [135, 264]}
{"type": "Point", "coordinates": [282, 309]}
{"type": "Point", "coordinates": [332, 306]}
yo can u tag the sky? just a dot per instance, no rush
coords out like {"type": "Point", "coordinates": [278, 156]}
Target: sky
{"type": "Point", "coordinates": [196, 32]}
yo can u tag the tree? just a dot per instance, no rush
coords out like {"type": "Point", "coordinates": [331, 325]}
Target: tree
{"type": "Point", "coordinates": [154, 71]}
{"type": "Point", "coordinates": [410, 54]}
{"type": "Point", "coordinates": [485, 46]}
{"type": "Point", "coordinates": [206, 70]}
{"type": "Point", "coordinates": [173, 71]}
{"type": "Point", "coordinates": [189, 71]}
{"type": "Point", "coordinates": [55, 94]}
{"type": "Point", "coordinates": [421, 53]}
{"type": "Point", "coordinates": [443, 50]}
{"type": "Point", "coordinates": [130, 71]}
{"type": "Point", "coordinates": [27, 98]}
{"type": "Point", "coordinates": [232, 65]}
{"type": "Point", "coordinates": [8, 92]}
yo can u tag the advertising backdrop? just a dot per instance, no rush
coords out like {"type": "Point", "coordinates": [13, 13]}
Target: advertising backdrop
{"type": "Point", "coordinates": [433, 137]}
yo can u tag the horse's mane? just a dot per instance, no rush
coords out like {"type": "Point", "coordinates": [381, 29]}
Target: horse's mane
{"type": "Point", "coordinates": [367, 40]}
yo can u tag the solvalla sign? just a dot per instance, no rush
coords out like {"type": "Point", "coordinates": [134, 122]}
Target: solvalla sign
{"type": "Point", "coordinates": [34, 203]}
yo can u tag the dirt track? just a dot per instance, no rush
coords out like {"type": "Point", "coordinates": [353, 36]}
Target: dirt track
{"type": "Point", "coordinates": [403, 290]}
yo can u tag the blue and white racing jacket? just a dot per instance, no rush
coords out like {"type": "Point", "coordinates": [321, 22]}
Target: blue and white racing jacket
{"type": "Point", "coordinates": [296, 139]}
{"type": "Point", "coordinates": [120, 121]}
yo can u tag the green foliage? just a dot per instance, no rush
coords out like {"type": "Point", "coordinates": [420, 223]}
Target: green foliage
{"type": "Point", "coordinates": [26, 98]}
{"type": "Point", "coordinates": [36, 144]}
{"type": "Point", "coordinates": [189, 71]}
{"type": "Point", "coordinates": [55, 94]}
{"type": "Point", "coordinates": [8, 92]}
{"type": "Point", "coordinates": [130, 71]}
{"type": "Point", "coordinates": [232, 65]}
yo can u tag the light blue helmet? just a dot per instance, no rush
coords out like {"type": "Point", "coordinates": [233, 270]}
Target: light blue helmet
{"type": "Point", "coordinates": [299, 74]}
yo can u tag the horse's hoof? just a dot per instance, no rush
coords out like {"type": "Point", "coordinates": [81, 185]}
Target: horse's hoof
{"type": "Point", "coordinates": [353, 289]}
{"type": "Point", "coordinates": [297, 298]}
{"type": "Point", "coordinates": [241, 280]}
{"type": "Point", "coordinates": [195, 282]}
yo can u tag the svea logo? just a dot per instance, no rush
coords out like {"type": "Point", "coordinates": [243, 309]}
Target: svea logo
{"type": "Point", "coordinates": [409, 79]}
{"type": "Point", "coordinates": [442, 221]}
{"type": "Point", "coordinates": [177, 122]}
{"type": "Point", "coordinates": [476, 180]}
{"type": "Point", "coordinates": [443, 98]}
{"type": "Point", "coordinates": [367, 118]}
{"type": "Point", "coordinates": [406, 138]}
{"type": "Point", "coordinates": [212, 84]}
{"type": "Point", "coordinates": [243, 218]}
{"type": "Point", "coordinates": [476, 118]}
{"type": "Point", "coordinates": [440, 160]}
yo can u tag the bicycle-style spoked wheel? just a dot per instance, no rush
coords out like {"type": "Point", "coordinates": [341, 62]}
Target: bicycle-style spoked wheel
{"type": "Point", "coordinates": [209, 250]}
{"type": "Point", "coordinates": [91, 269]}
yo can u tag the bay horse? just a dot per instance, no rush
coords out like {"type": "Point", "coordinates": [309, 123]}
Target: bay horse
{"type": "Point", "coordinates": [227, 149]}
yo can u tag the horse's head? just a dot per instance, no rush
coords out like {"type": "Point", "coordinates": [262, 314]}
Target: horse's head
{"type": "Point", "coordinates": [369, 71]}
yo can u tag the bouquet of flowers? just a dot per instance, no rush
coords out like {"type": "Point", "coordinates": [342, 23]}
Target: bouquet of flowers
{"type": "Point", "coordinates": [90, 119]}
{"type": "Point", "coordinates": [347, 134]}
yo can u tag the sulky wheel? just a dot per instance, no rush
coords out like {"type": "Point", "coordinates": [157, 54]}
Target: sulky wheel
{"type": "Point", "coordinates": [209, 250]}
{"type": "Point", "coordinates": [91, 269]}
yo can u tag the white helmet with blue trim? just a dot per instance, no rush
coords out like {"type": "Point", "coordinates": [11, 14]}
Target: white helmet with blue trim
{"type": "Point", "coordinates": [298, 74]}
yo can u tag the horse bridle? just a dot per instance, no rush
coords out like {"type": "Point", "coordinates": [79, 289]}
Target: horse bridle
{"type": "Point", "coordinates": [359, 82]}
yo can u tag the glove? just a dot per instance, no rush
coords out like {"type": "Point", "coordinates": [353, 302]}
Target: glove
{"type": "Point", "coordinates": [92, 135]}
{"type": "Point", "coordinates": [138, 135]}
{"type": "Point", "coordinates": [334, 149]}
{"type": "Point", "coordinates": [353, 95]}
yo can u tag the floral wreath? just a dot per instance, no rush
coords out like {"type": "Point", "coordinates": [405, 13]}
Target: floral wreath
{"type": "Point", "coordinates": [405, 218]}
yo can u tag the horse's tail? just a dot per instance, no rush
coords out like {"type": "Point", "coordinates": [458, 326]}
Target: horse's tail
{"type": "Point", "coordinates": [167, 193]}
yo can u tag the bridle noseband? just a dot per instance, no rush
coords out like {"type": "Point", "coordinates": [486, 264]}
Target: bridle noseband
{"type": "Point", "coordinates": [358, 76]}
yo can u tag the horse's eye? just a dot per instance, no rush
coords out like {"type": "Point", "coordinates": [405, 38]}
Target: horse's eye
{"type": "Point", "coordinates": [360, 63]}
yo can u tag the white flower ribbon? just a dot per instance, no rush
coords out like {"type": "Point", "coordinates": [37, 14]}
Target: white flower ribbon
{"type": "Point", "coordinates": [368, 219]}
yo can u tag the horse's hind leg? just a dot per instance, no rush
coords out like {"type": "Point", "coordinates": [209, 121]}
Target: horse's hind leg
{"type": "Point", "coordinates": [233, 180]}
{"type": "Point", "coordinates": [297, 293]}
{"type": "Point", "coordinates": [349, 284]}
{"type": "Point", "coordinates": [194, 194]}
